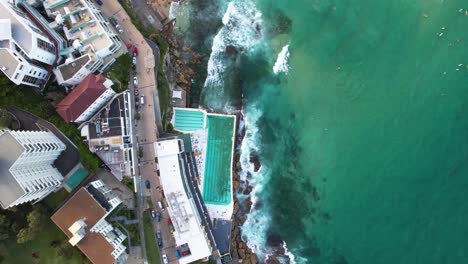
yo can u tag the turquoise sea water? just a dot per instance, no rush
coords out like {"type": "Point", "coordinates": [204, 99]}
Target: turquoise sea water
{"type": "Point", "coordinates": [364, 142]}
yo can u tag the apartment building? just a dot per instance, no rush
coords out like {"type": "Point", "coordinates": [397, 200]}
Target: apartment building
{"type": "Point", "coordinates": [108, 134]}
{"type": "Point", "coordinates": [86, 99]}
{"type": "Point", "coordinates": [24, 49]}
{"type": "Point", "coordinates": [83, 219]}
{"type": "Point", "coordinates": [92, 40]}
{"type": "Point", "coordinates": [26, 171]}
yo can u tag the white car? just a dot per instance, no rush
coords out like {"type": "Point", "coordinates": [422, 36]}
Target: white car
{"type": "Point", "coordinates": [164, 257]}
{"type": "Point", "coordinates": [135, 81]}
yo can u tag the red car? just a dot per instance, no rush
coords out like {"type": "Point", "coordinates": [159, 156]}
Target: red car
{"type": "Point", "coordinates": [135, 51]}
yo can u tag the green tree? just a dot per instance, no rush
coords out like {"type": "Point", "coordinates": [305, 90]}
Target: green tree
{"type": "Point", "coordinates": [25, 235]}
{"type": "Point", "coordinates": [36, 220]}
{"type": "Point", "coordinates": [5, 224]}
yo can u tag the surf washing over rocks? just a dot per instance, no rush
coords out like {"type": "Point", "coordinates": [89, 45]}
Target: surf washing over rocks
{"type": "Point", "coordinates": [238, 44]}
{"type": "Point", "coordinates": [239, 47]}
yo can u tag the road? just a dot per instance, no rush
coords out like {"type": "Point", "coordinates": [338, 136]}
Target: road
{"type": "Point", "coordinates": [146, 129]}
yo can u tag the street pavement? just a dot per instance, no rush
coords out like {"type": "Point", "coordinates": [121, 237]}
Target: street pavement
{"type": "Point", "coordinates": [146, 128]}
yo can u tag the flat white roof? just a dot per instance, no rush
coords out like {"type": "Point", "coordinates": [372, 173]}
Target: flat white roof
{"type": "Point", "coordinates": [181, 208]}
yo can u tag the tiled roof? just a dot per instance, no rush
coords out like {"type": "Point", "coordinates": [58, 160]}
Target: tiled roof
{"type": "Point", "coordinates": [82, 205]}
{"type": "Point", "coordinates": [82, 96]}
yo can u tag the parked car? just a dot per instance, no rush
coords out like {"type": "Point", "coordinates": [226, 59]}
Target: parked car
{"type": "Point", "coordinates": [142, 100]}
{"type": "Point", "coordinates": [164, 257]}
{"type": "Point", "coordinates": [159, 237]}
{"type": "Point", "coordinates": [153, 213]}
{"type": "Point", "coordinates": [99, 2]}
{"type": "Point", "coordinates": [119, 29]}
{"type": "Point", "coordinates": [135, 81]}
{"type": "Point", "coordinates": [158, 216]}
{"type": "Point", "coordinates": [135, 91]}
{"type": "Point", "coordinates": [113, 22]}
{"type": "Point", "coordinates": [148, 185]}
{"type": "Point", "coordinates": [134, 62]}
{"type": "Point", "coordinates": [134, 51]}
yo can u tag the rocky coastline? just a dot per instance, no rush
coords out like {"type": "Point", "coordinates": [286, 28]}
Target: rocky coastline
{"type": "Point", "coordinates": [178, 68]}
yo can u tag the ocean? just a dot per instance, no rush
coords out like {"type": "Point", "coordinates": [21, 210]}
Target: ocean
{"type": "Point", "coordinates": [358, 113]}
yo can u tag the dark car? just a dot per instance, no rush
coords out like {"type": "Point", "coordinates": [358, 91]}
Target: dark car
{"type": "Point", "coordinates": [147, 183]}
{"type": "Point", "coordinates": [99, 2]}
{"type": "Point", "coordinates": [159, 237]}
{"type": "Point", "coordinates": [158, 216]}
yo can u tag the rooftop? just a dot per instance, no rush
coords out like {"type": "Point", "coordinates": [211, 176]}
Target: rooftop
{"type": "Point", "coordinates": [107, 123]}
{"type": "Point", "coordinates": [81, 97]}
{"type": "Point", "coordinates": [9, 62]}
{"type": "Point", "coordinates": [188, 229]}
{"type": "Point", "coordinates": [69, 69]}
{"type": "Point", "coordinates": [84, 25]}
{"type": "Point", "coordinates": [20, 33]}
{"type": "Point", "coordinates": [82, 205]}
{"type": "Point", "coordinates": [10, 150]}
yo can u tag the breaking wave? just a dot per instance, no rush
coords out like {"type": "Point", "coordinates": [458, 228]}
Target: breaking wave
{"type": "Point", "coordinates": [281, 64]}
{"type": "Point", "coordinates": [240, 33]}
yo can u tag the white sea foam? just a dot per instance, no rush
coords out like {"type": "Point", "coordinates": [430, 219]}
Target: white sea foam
{"type": "Point", "coordinates": [255, 227]}
{"type": "Point", "coordinates": [240, 30]}
{"type": "Point", "coordinates": [173, 8]}
{"type": "Point", "coordinates": [281, 64]}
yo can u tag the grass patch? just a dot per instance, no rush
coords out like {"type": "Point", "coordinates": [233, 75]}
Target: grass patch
{"type": "Point", "coordinates": [41, 247]}
{"type": "Point", "coordinates": [120, 71]}
{"type": "Point", "coordinates": [153, 34]}
{"type": "Point", "coordinates": [128, 181]}
{"type": "Point", "coordinates": [29, 100]}
{"type": "Point", "coordinates": [134, 234]}
{"type": "Point", "coordinates": [152, 249]}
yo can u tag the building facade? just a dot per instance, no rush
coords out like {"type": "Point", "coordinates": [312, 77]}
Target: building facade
{"type": "Point", "coordinates": [83, 219]}
{"type": "Point", "coordinates": [26, 171]}
{"type": "Point", "coordinates": [25, 50]}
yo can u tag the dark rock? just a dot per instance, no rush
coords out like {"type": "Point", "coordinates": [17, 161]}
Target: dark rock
{"type": "Point", "coordinates": [274, 240]}
{"type": "Point", "coordinates": [272, 260]}
{"type": "Point", "coordinates": [231, 50]}
{"type": "Point", "coordinates": [255, 160]}
{"type": "Point", "coordinates": [242, 220]}
{"type": "Point", "coordinates": [248, 204]}
{"type": "Point", "coordinates": [258, 205]}
{"type": "Point", "coordinates": [248, 190]}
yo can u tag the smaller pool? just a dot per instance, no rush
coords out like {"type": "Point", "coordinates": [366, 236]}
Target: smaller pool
{"type": "Point", "coordinates": [77, 177]}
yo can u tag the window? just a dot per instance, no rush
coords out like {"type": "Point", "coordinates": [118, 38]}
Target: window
{"type": "Point", "coordinates": [45, 45]}
{"type": "Point", "coordinates": [30, 79]}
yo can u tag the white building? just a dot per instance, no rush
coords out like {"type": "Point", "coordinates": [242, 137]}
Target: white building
{"type": "Point", "coordinates": [86, 99]}
{"type": "Point", "coordinates": [109, 134]}
{"type": "Point", "coordinates": [83, 219]}
{"type": "Point", "coordinates": [23, 46]}
{"type": "Point", "coordinates": [189, 230]}
{"type": "Point", "coordinates": [90, 34]}
{"type": "Point", "coordinates": [26, 171]}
